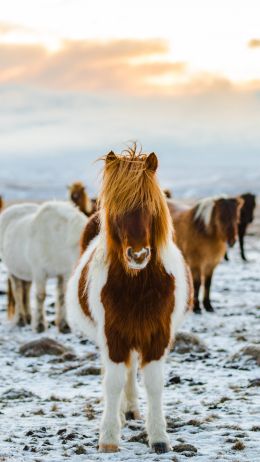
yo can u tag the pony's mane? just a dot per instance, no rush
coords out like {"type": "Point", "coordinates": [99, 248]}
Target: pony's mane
{"type": "Point", "coordinates": [204, 208]}
{"type": "Point", "coordinates": [129, 185]}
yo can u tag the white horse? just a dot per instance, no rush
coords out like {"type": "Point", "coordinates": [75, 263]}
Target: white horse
{"type": "Point", "coordinates": [38, 242]}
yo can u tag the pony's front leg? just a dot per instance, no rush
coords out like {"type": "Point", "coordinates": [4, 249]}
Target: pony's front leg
{"type": "Point", "coordinates": [114, 381]}
{"type": "Point", "coordinates": [156, 424]}
{"type": "Point", "coordinates": [15, 300]}
{"type": "Point", "coordinates": [39, 321]}
{"type": "Point", "coordinates": [61, 321]}
{"type": "Point", "coordinates": [131, 391]}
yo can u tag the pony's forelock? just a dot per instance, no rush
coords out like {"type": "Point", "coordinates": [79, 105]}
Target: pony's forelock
{"type": "Point", "coordinates": [129, 185]}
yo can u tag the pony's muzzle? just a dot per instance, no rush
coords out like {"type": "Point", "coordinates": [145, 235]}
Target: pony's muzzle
{"type": "Point", "coordinates": [139, 259]}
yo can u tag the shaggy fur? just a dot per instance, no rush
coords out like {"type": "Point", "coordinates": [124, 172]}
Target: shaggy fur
{"type": "Point", "coordinates": [130, 311]}
{"type": "Point", "coordinates": [202, 232]}
{"type": "Point", "coordinates": [36, 243]}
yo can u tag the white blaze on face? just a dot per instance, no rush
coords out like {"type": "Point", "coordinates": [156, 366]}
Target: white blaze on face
{"type": "Point", "coordinates": [138, 260]}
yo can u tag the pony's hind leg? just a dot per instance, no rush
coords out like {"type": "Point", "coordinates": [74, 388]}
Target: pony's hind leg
{"type": "Point", "coordinates": [15, 300]}
{"type": "Point", "coordinates": [114, 381]}
{"type": "Point", "coordinates": [39, 321]}
{"type": "Point", "coordinates": [206, 299]}
{"type": "Point", "coordinates": [131, 391]}
{"type": "Point", "coordinates": [196, 276]}
{"type": "Point", "coordinates": [61, 321]}
{"type": "Point", "coordinates": [156, 424]}
{"type": "Point", "coordinates": [26, 300]}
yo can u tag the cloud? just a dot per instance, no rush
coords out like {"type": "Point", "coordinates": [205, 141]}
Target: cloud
{"type": "Point", "coordinates": [254, 43]}
{"type": "Point", "coordinates": [87, 65]}
{"type": "Point", "coordinates": [8, 28]}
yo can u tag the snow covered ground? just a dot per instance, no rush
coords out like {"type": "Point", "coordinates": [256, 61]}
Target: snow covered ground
{"type": "Point", "coordinates": [50, 407]}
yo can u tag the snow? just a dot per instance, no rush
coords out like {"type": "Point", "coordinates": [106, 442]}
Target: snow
{"type": "Point", "coordinates": [50, 410]}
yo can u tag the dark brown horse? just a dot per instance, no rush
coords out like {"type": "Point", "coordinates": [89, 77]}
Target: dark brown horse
{"type": "Point", "coordinates": [246, 217]}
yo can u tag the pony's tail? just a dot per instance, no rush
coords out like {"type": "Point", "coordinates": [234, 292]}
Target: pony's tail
{"type": "Point", "coordinates": [10, 301]}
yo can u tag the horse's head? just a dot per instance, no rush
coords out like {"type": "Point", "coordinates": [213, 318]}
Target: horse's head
{"type": "Point", "coordinates": [76, 191]}
{"type": "Point", "coordinates": [226, 216]}
{"type": "Point", "coordinates": [135, 208]}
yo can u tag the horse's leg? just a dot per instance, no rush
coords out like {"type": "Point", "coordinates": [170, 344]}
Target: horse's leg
{"type": "Point", "coordinates": [196, 276]}
{"type": "Point", "coordinates": [131, 391]}
{"type": "Point", "coordinates": [206, 300]}
{"type": "Point", "coordinates": [40, 322]}
{"type": "Point", "coordinates": [26, 300]}
{"type": "Point", "coordinates": [17, 289]}
{"type": "Point", "coordinates": [61, 321]}
{"type": "Point", "coordinates": [114, 381]}
{"type": "Point", "coordinates": [156, 424]}
{"type": "Point", "coordinates": [10, 299]}
{"type": "Point", "coordinates": [241, 236]}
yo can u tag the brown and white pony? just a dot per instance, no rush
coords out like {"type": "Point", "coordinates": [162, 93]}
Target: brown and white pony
{"type": "Point", "coordinates": [79, 196]}
{"type": "Point", "coordinates": [202, 234]}
{"type": "Point", "coordinates": [129, 292]}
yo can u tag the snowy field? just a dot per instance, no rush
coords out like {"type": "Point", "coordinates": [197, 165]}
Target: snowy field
{"type": "Point", "coordinates": [50, 406]}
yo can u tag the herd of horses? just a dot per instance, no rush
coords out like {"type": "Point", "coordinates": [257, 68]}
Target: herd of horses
{"type": "Point", "coordinates": [128, 267]}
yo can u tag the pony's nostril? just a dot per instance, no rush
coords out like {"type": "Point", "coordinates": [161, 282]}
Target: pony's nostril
{"type": "Point", "coordinates": [129, 252]}
{"type": "Point", "coordinates": [147, 251]}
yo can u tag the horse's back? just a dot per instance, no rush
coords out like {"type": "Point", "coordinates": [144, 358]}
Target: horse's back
{"type": "Point", "coordinates": [15, 225]}
{"type": "Point", "coordinates": [176, 208]}
{"type": "Point", "coordinates": [13, 214]}
{"type": "Point", "coordinates": [55, 236]}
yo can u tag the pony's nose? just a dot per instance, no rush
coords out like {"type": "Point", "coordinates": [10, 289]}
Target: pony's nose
{"type": "Point", "coordinates": [139, 256]}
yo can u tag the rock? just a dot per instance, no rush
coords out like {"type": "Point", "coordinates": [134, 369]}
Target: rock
{"type": "Point", "coordinates": [247, 355]}
{"type": "Point", "coordinates": [173, 380]}
{"type": "Point", "coordinates": [43, 346]}
{"type": "Point", "coordinates": [183, 447]}
{"type": "Point", "coordinates": [185, 342]}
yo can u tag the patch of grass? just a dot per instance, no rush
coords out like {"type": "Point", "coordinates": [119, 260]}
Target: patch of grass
{"type": "Point", "coordinates": [238, 446]}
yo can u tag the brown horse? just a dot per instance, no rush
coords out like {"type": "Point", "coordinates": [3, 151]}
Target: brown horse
{"type": "Point", "coordinates": [202, 232]}
{"type": "Point", "coordinates": [130, 291]}
{"type": "Point", "coordinates": [79, 196]}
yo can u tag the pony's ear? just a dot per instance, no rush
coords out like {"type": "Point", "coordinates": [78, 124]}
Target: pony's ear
{"type": "Point", "coordinates": [110, 156]}
{"type": "Point", "coordinates": [151, 162]}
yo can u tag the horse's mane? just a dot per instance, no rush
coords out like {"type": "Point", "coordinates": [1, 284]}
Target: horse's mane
{"type": "Point", "coordinates": [203, 211]}
{"type": "Point", "coordinates": [129, 185]}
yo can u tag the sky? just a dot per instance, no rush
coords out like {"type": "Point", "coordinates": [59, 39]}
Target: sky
{"type": "Point", "coordinates": [80, 77]}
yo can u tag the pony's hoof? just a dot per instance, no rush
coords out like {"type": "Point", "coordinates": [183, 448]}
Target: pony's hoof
{"type": "Point", "coordinates": [64, 328]}
{"type": "Point", "coordinates": [40, 328]}
{"type": "Point", "coordinates": [21, 322]}
{"type": "Point", "coordinates": [28, 319]}
{"type": "Point", "coordinates": [197, 310]}
{"type": "Point", "coordinates": [208, 307]}
{"type": "Point", "coordinates": [108, 448]}
{"type": "Point", "coordinates": [132, 415]}
{"type": "Point", "coordinates": [161, 448]}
